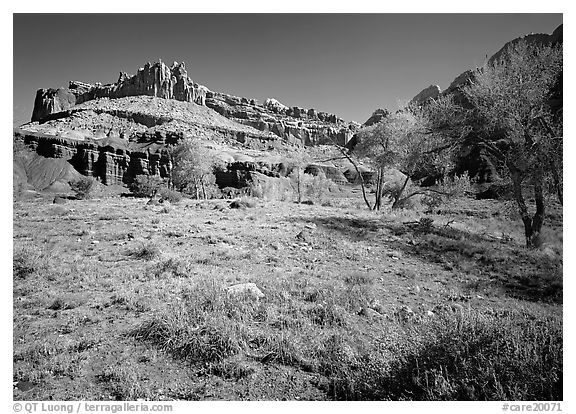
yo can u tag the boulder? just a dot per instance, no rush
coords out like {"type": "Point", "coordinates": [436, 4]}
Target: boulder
{"type": "Point", "coordinates": [304, 236]}
{"type": "Point", "coordinates": [59, 200]}
{"type": "Point", "coordinates": [370, 313]}
{"type": "Point", "coordinates": [245, 289]}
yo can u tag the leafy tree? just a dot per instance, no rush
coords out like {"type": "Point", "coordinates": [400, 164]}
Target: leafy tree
{"type": "Point", "coordinates": [400, 141]}
{"type": "Point", "coordinates": [146, 185]}
{"type": "Point", "coordinates": [507, 109]}
{"type": "Point", "coordinates": [299, 159]}
{"type": "Point", "coordinates": [193, 168]}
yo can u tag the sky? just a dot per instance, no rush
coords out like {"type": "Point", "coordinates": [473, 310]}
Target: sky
{"type": "Point", "coordinates": [346, 64]}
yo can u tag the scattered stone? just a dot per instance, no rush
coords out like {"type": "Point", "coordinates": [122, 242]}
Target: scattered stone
{"type": "Point", "coordinates": [95, 242]}
{"type": "Point", "coordinates": [456, 307]}
{"type": "Point", "coordinates": [24, 385]}
{"type": "Point", "coordinates": [304, 236]}
{"type": "Point", "coordinates": [276, 246]}
{"type": "Point", "coordinates": [370, 313]}
{"type": "Point", "coordinates": [249, 289]}
{"type": "Point", "coordinates": [430, 313]}
{"type": "Point", "coordinates": [405, 313]}
{"type": "Point", "coordinates": [395, 255]}
{"type": "Point", "coordinates": [377, 306]}
{"type": "Point", "coordinates": [310, 226]}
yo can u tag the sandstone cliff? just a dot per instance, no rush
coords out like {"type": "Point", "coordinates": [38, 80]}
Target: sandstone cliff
{"type": "Point", "coordinates": [294, 125]}
{"type": "Point", "coordinates": [155, 79]}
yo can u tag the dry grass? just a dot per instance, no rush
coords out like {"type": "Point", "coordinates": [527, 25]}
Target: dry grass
{"type": "Point", "coordinates": [144, 313]}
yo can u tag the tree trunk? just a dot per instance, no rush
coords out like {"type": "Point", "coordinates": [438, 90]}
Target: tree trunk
{"type": "Point", "coordinates": [398, 196]}
{"type": "Point", "coordinates": [557, 182]}
{"type": "Point", "coordinates": [532, 225]}
{"type": "Point", "coordinates": [357, 171]}
{"type": "Point", "coordinates": [299, 189]}
{"type": "Point", "coordinates": [378, 193]}
{"type": "Point", "coordinates": [538, 218]}
{"type": "Point", "coordinates": [380, 190]}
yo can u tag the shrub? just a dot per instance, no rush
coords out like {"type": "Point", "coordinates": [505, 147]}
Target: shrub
{"type": "Point", "coordinates": [457, 186]}
{"type": "Point", "coordinates": [146, 185]}
{"type": "Point", "coordinates": [25, 262]}
{"type": "Point", "coordinates": [319, 187]}
{"type": "Point", "coordinates": [244, 202]}
{"type": "Point", "coordinates": [170, 195]}
{"type": "Point", "coordinates": [206, 326]}
{"type": "Point", "coordinates": [454, 356]}
{"type": "Point", "coordinates": [270, 188]}
{"type": "Point", "coordinates": [425, 225]}
{"type": "Point", "coordinates": [147, 251]}
{"type": "Point", "coordinates": [170, 267]}
{"type": "Point", "coordinates": [83, 187]}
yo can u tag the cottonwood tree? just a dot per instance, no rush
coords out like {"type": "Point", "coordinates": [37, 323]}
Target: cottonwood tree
{"type": "Point", "coordinates": [193, 168]}
{"type": "Point", "coordinates": [400, 141]}
{"type": "Point", "coordinates": [299, 159]}
{"type": "Point", "coordinates": [507, 109]}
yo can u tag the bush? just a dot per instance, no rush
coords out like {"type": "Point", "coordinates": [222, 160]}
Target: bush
{"type": "Point", "coordinates": [146, 185]}
{"type": "Point", "coordinates": [457, 186]}
{"type": "Point", "coordinates": [456, 356]}
{"type": "Point", "coordinates": [206, 326]}
{"type": "Point", "coordinates": [319, 187]}
{"type": "Point", "coordinates": [170, 195]}
{"type": "Point", "coordinates": [244, 202]}
{"type": "Point", "coordinates": [83, 187]}
{"type": "Point", "coordinates": [270, 188]}
{"type": "Point", "coordinates": [146, 251]}
{"type": "Point", "coordinates": [26, 261]}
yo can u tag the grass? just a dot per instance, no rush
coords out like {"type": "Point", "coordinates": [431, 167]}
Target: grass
{"type": "Point", "coordinates": [148, 315]}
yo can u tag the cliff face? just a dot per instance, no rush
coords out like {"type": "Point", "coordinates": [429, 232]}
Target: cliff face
{"type": "Point", "coordinates": [294, 125]}
{"type": "Point", "coordinates": [114, 140]}
{"type": "Point", "coordinates": [156, 80]}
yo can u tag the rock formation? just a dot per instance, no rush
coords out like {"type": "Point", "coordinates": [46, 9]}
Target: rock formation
{"type": "Point", "coordinates": [155, 79]}
{"type": "Point", "coordinates": [295, 125]}
{"type": "Point", "coordinates": [431, 92]}
{"type": "Point", "coordinates": [376, 117]}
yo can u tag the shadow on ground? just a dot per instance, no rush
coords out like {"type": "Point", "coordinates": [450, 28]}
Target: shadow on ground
{"type": "Point", "coordinates": [499, 265]}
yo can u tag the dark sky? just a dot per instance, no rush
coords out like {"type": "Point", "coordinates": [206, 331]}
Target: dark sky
{"type": "Point", "coordinates": [347, 64]}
